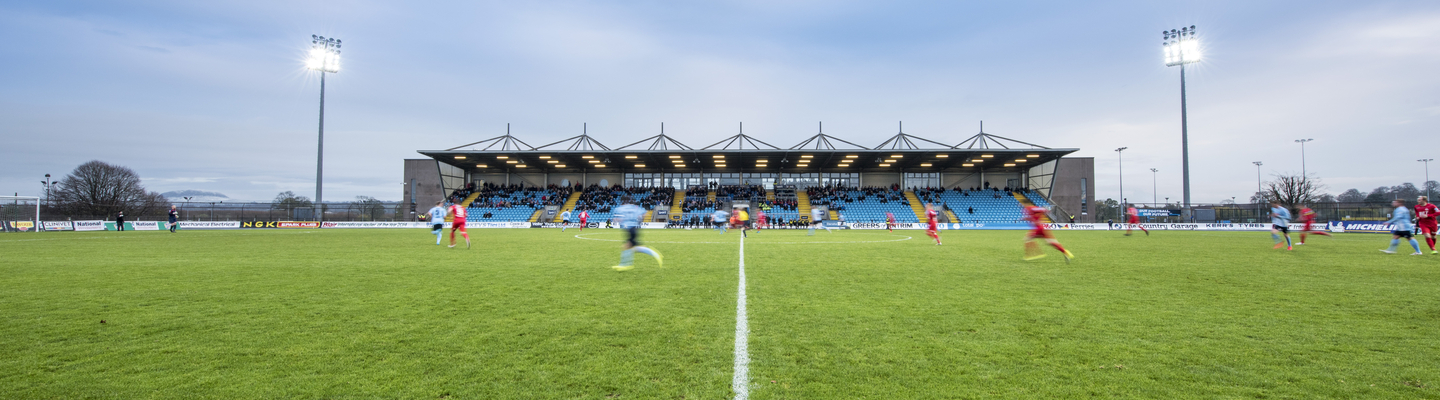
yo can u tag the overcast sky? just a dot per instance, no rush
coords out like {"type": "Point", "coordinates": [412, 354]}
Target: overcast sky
{"type": "Point", "coordinates": [212, 95]}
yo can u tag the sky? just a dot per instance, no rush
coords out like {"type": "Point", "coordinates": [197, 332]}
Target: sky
{"type": "Point", "coordinates": [213, 95]}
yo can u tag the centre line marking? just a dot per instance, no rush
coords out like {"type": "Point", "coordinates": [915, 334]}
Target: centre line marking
{"type": "Point", "coordinates": [741, 383]}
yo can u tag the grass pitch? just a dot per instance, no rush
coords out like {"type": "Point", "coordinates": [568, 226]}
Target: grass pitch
{"type": "Point", "coordinates": [859, 314]}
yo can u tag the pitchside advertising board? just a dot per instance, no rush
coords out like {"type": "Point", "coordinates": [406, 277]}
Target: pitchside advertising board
{"type": "Point", "coordinates": [1366, 226]}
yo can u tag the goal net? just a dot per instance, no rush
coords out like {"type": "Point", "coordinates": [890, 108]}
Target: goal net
{"type": "Point", "coordinates": [19, 214]}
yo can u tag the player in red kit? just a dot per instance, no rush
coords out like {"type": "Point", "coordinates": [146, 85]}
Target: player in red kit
{"type": "Point", "coordinates": [584, 216]}
{"type": "Point", "coordinates": [1307, 216]}
{"type": "Point", "coordinates": [457, 218]}
{"type": "Point", "coordinates": [760, 220]}
{"type": "Point", "coordinates": [1134, 221]}
{"type": "Point", "coordinates": [890, 221]}
{"type": "Point", "coordinates": [1425, 220]}
{"type": "Point", "coordinates": [932, 227]}
{"type": "Point", "coordinates": [1036, 216]}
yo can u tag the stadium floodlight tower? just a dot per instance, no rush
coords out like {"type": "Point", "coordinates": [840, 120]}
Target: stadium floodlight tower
{"type": "Point", "coordinates": [324, 57]}
{"type": "Point", "coordinates": [1182, 47]}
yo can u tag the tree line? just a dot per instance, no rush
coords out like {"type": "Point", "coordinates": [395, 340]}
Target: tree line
{"type": "Point", "coordinates": [100, 189]}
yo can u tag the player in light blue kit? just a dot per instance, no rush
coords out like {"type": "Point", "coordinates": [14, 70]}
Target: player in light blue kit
{"type": "Point", "coordinates": [628, 216]}
{"type": "Point", "coordinates": [437, 221]}
{"type": "Point", "coordinates": [1402, 227]}
{"type": "Point", "coordinates": [720, 218]}
{"type": "Point", "coordinates": [1280, 224]}
{"type": "Point", "coordinates": [564, 220]}
{"type": "Point", "coordinates": [817, 218]}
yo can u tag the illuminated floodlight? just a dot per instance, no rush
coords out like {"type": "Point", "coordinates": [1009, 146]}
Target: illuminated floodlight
{"type": "Point", "coordinates": [631, 157]}
{"type": "Point", "coordinates": [553, 161]}
{"type": "Point", "coordinates": [324, 54]}
{"type": "Point", "coordinates": [502, 157]}
{"type": "Point", "coordinates": [1181, 46]}
{"type": "Point", "coordinates": [1033, 155]}
{"type": "Point", "coordinates": [719, 156]}
{"type": "Point", "coordinates": [512, 162]}
{"type": "Point", "coordinates": [889, 160]}
{"type": "Point", "coordinates": [599, 165]}
{"type": "Point", "coordinates": [480, 166]}
{"type": "Point", "coordinates": [807, 156]}
{"type": "Point", "coordinates": [1009, 165]}
{"type": "Point", "coordinates": [942, 156]}
{"type": "Point", "coordinates": [544, 157]}
{"type": "Point", "coordinates": [639, 165]}
{"type": "Point", "coordinates": [459, 157]}
{"type": "Point", "coordinates": [967, 165]}
{"type": "Point", "coordinates": [884, 165]}
{"type": "Point", "coordinates": [925, 164]}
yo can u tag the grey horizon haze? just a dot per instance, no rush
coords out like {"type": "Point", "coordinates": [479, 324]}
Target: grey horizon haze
{"type": "Point", "coordinates": [213, 96]}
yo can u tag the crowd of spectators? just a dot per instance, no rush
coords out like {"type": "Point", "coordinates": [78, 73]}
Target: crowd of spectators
{"type": "Point", "coordinates": [505, 196]}
{"type": "Point", "coordinates": [837, 196]}
{"type": "Point", "coordinates": [740, 192]}
{"type": "Point", "coordinates": [604, 199]}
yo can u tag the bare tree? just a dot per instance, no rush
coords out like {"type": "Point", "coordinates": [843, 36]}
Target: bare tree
{"type": "Point", "coordinates": [99, 189]}
{"type": "Point", "coordinates": [368, 208]}
{"type": "Point", "coordinates": [1292, 190]}
{"type": "Point", "coordinates": [288, 201]}
{"type": "Point", "coordinates": [1351, 196]}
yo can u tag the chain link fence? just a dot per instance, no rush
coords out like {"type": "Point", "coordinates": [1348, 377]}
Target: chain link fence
{"type": "Point", "coordinates": [229, 211]}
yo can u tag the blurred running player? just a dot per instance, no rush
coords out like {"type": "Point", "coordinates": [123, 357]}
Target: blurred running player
{"type": "Point", "coordinates": [628, 215]}
{"type": "Point", "coordinates": [719, 219]}
{"type": "Point", "coordinates": [564, 220]}
{"type": "Point", "coordinates": [1425, 220]}
{"type": "Point", "coordinates": [1133, 221]}
{"type": "Point", "coordinates": [817, 217]}
{"type": "Point", "coordinates": [175, 220]}
{"type": "Point", "coordinates": [584, 219]}
{"type": "Point", "coordinates": [890, 221]}
{"type": "Point", "coordinates": [932, 227]}
{"type": "Point", "coordinates": [457, 223]}
{"type": "Point", "coordinates": [1280, 225]}
{"type": "Point", "coordinates": [743, 218]}
{"type": "Point", "coordinates": [1400, 219]}
{"type": "Point", "coordinates": [1036, 216]}
{"type": "Point", "coordinates": [1307, 216]}
{"type": "Point", "coordinates": [760, 220]}
{"type": "Point", "coordinates": [437, 221]}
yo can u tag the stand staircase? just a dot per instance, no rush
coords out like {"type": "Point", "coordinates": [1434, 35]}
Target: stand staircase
{"type": "Point", "coordinates": [802, 200]}
{"type": "Point", "coordinates": [1024, 201]}
{"type": "Point", "coordinates": [915, 205]}
{"type": "Point", "coordinates": [569, 205]}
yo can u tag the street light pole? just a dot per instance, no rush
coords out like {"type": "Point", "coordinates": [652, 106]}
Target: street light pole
{"type": "Point", "coordinates": [324, 57]}
{"type": "Point", "coordinates": [1182, 46]}
{"type": "Point", "coordinates": [1303, 173]}
{"type": "Point", "coordinates": [1257, 176]}
{"type": "Point", "coordinates": [1427, 175]}
{"type": "Point", "coordinates": [1155, 185]}
{"type": "Point", "coordinates": [1120, 153]}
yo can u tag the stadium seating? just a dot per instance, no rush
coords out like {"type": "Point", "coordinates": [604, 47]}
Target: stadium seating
{"type": "Point", "coordinates": [512, 204]}
{"type": "Point", "coordinates": [987, 207]}
{"type": "Point", "coordinates": [867, 205]}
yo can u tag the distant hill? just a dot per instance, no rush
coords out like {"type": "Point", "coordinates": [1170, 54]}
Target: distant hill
{"type": "Point", "coordinates": [196, 195]}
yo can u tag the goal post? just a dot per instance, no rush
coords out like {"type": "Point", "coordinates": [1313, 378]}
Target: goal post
{"type": "Point", "coordinates": [15, 201]}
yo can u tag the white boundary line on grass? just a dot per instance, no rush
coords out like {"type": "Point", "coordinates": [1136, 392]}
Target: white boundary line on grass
{"type": "Point", "coordinates": [902, 238]}
{"type": "Point", "coordinates": [741, 382]}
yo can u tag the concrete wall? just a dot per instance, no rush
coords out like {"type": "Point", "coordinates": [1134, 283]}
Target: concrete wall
{"type": "Point", "coordinates": [879, 179]}
{"type": "Point", "coordinates": [1067, 192]}
{"type": "Point", "coordinates": [427, 189]}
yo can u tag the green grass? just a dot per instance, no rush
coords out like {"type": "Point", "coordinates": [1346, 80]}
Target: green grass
{"type": "Point", "coordinates": [340, 314]}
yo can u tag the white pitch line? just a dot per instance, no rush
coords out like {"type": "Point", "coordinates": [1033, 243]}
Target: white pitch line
{"type": "Point", "coordinates": [741, 382]}
{"type": "Point", "coordinates": [901, 239]}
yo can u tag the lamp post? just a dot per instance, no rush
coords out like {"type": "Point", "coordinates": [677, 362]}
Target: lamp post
{"type": "Point", "coordinates": [47, 184]}
{"type": "Point", "coordinates": [1426, 184]}
{"type": "Point", "coordinates": [187, 205]}
{"type": "Point", "coordinates": [1182, 47]}
{"type": "Point", "coordinates": [1120, 152]}
{"type": "Point", "coordinates": [1155, 185]}
{"type": "Point", "coordinates": [1257, 175]}
{"type": "Point", "coordinates": [324, 57]}
{"type": "Point", "coordinates": [1303, 174]}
